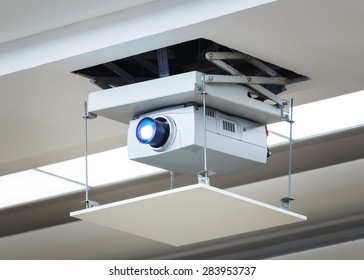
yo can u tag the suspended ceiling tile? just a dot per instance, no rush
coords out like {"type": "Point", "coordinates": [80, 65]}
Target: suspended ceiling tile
{"type": "Point", "coordinates": [188, 215]}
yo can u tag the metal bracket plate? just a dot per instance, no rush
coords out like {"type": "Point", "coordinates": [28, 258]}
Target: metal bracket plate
{"type": "Point", "coordinates": [241, 79]}
{"type": "Point", "coordinates": [286, 202]}
{"type": "Point", "coordinates": [217, 57]}
{"type": "Point", "coordinates": [90, 203]}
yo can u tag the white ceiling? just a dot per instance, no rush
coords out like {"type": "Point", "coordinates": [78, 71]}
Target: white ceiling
{"type": "Point", "coordinates": [41, 104]}
{"type": "Point", "coordinates": [22, 18]}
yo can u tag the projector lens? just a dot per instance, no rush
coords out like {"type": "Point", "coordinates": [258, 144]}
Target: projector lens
{"type": "Point", "coordinates": [154, 132]}
{"type": "Point", "coordinates": [146, 130]}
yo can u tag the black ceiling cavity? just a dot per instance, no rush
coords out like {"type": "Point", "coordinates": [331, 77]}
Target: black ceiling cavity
{"type": "Point", "coordinates": [176, 59]}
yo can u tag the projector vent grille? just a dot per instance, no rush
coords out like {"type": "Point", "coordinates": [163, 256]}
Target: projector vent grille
{"type": "Point", "coordinates": [210, 112]}
{"type": "Point", "coordinates": [228, 126]}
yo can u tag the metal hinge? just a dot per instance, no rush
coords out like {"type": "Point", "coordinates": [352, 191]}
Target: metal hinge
{"type": "Point", "coordinates": [237, 77]}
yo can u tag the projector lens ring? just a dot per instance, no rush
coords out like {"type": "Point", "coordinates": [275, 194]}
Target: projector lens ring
{"type": "Point", "coordinates": [158, 132]}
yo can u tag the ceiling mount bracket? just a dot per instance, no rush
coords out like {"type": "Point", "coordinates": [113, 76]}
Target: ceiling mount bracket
{"type": "Point", "coordinates": [286, 201]}
{"type": "Point", "coordinates": [90, 203]}
{"type": "Point", "coordinates": [255, 82]}
{"type": "Point", "coordinates": [203, 177]}
{"type": "Point", "coordinates": [88, 115]}
{"type": "Point", "coordinates": [248, 80]}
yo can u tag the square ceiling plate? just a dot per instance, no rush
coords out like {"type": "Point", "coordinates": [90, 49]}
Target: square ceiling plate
{"type": "Point", "coordinates": [188, 215]}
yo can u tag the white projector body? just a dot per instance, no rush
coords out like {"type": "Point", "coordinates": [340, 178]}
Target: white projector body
{"type": "Point", "coordinates": [233, 144]}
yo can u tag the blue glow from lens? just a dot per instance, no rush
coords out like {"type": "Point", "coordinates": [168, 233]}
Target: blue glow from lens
{"type": "Point", "coordinates": [146, 130]}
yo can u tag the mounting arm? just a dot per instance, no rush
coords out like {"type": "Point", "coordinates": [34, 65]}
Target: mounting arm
{"type": "Point", "coordinates": [239, 78]}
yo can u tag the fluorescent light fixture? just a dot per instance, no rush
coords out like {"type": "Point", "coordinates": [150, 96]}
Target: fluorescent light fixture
{"type": "Point", "coordinates": [69, 176]}
{"type": "Point", "coordinates": [31, 185]}
{"type": "Point", "coordinates": [188, 215]}
{"type": "Point", "coordinates": [104, 168]}
{"type": "Point", "coordinates": [320, 118]}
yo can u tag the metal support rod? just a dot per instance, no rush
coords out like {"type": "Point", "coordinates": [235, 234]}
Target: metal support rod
{"type": "Point", "coordinates": [147, 64]}
{"type": "Point", "coordinates": [238, 79]}
{"type": "Point", "coordinates": [87, 116]}
{"type": "Point", "coordinates": [129, 79]}
{"type": "Point", "coordinates": [290, 154]}
{"type": "Point", "coordinates": [279, 135]}
{"type": "Point", "coordinates": [204, 175]}
{"type": "Point", "coordinates": [242, 56]}
{"type": "Point", "coordinates": [286, 201]}
{"type": "Point", "coordinates": [86, 156]}
{"type": "Point", "coordinates": [162, 57]}
{"type": "Point", "coordinates": [171, 183]}
{"type": "Point", "coordinates": [205, 138]}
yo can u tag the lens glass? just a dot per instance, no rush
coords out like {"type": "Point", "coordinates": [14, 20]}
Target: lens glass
{"type": "Point", "coordinates": [145, 130]}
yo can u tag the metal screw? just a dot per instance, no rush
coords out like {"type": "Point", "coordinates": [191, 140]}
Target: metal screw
{"type": "Point", "coordinates": [249, 79]}
{"type": "Point", "coordinates": [210, 78]}
{"type": "Point", "coordinates": [210, 55]}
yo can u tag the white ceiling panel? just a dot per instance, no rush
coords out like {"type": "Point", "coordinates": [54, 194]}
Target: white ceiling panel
{"type": "Point", "coordinates": [188, 215]}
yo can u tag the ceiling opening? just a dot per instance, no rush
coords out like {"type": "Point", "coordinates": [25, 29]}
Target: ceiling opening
{"type": "Point", "coordinates": [176, 59]}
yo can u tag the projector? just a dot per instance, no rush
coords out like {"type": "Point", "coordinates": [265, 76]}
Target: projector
{"type": "Point", "coordinates": [167, 122]}
{"type": "Point", "coordinates": [174, 138]}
